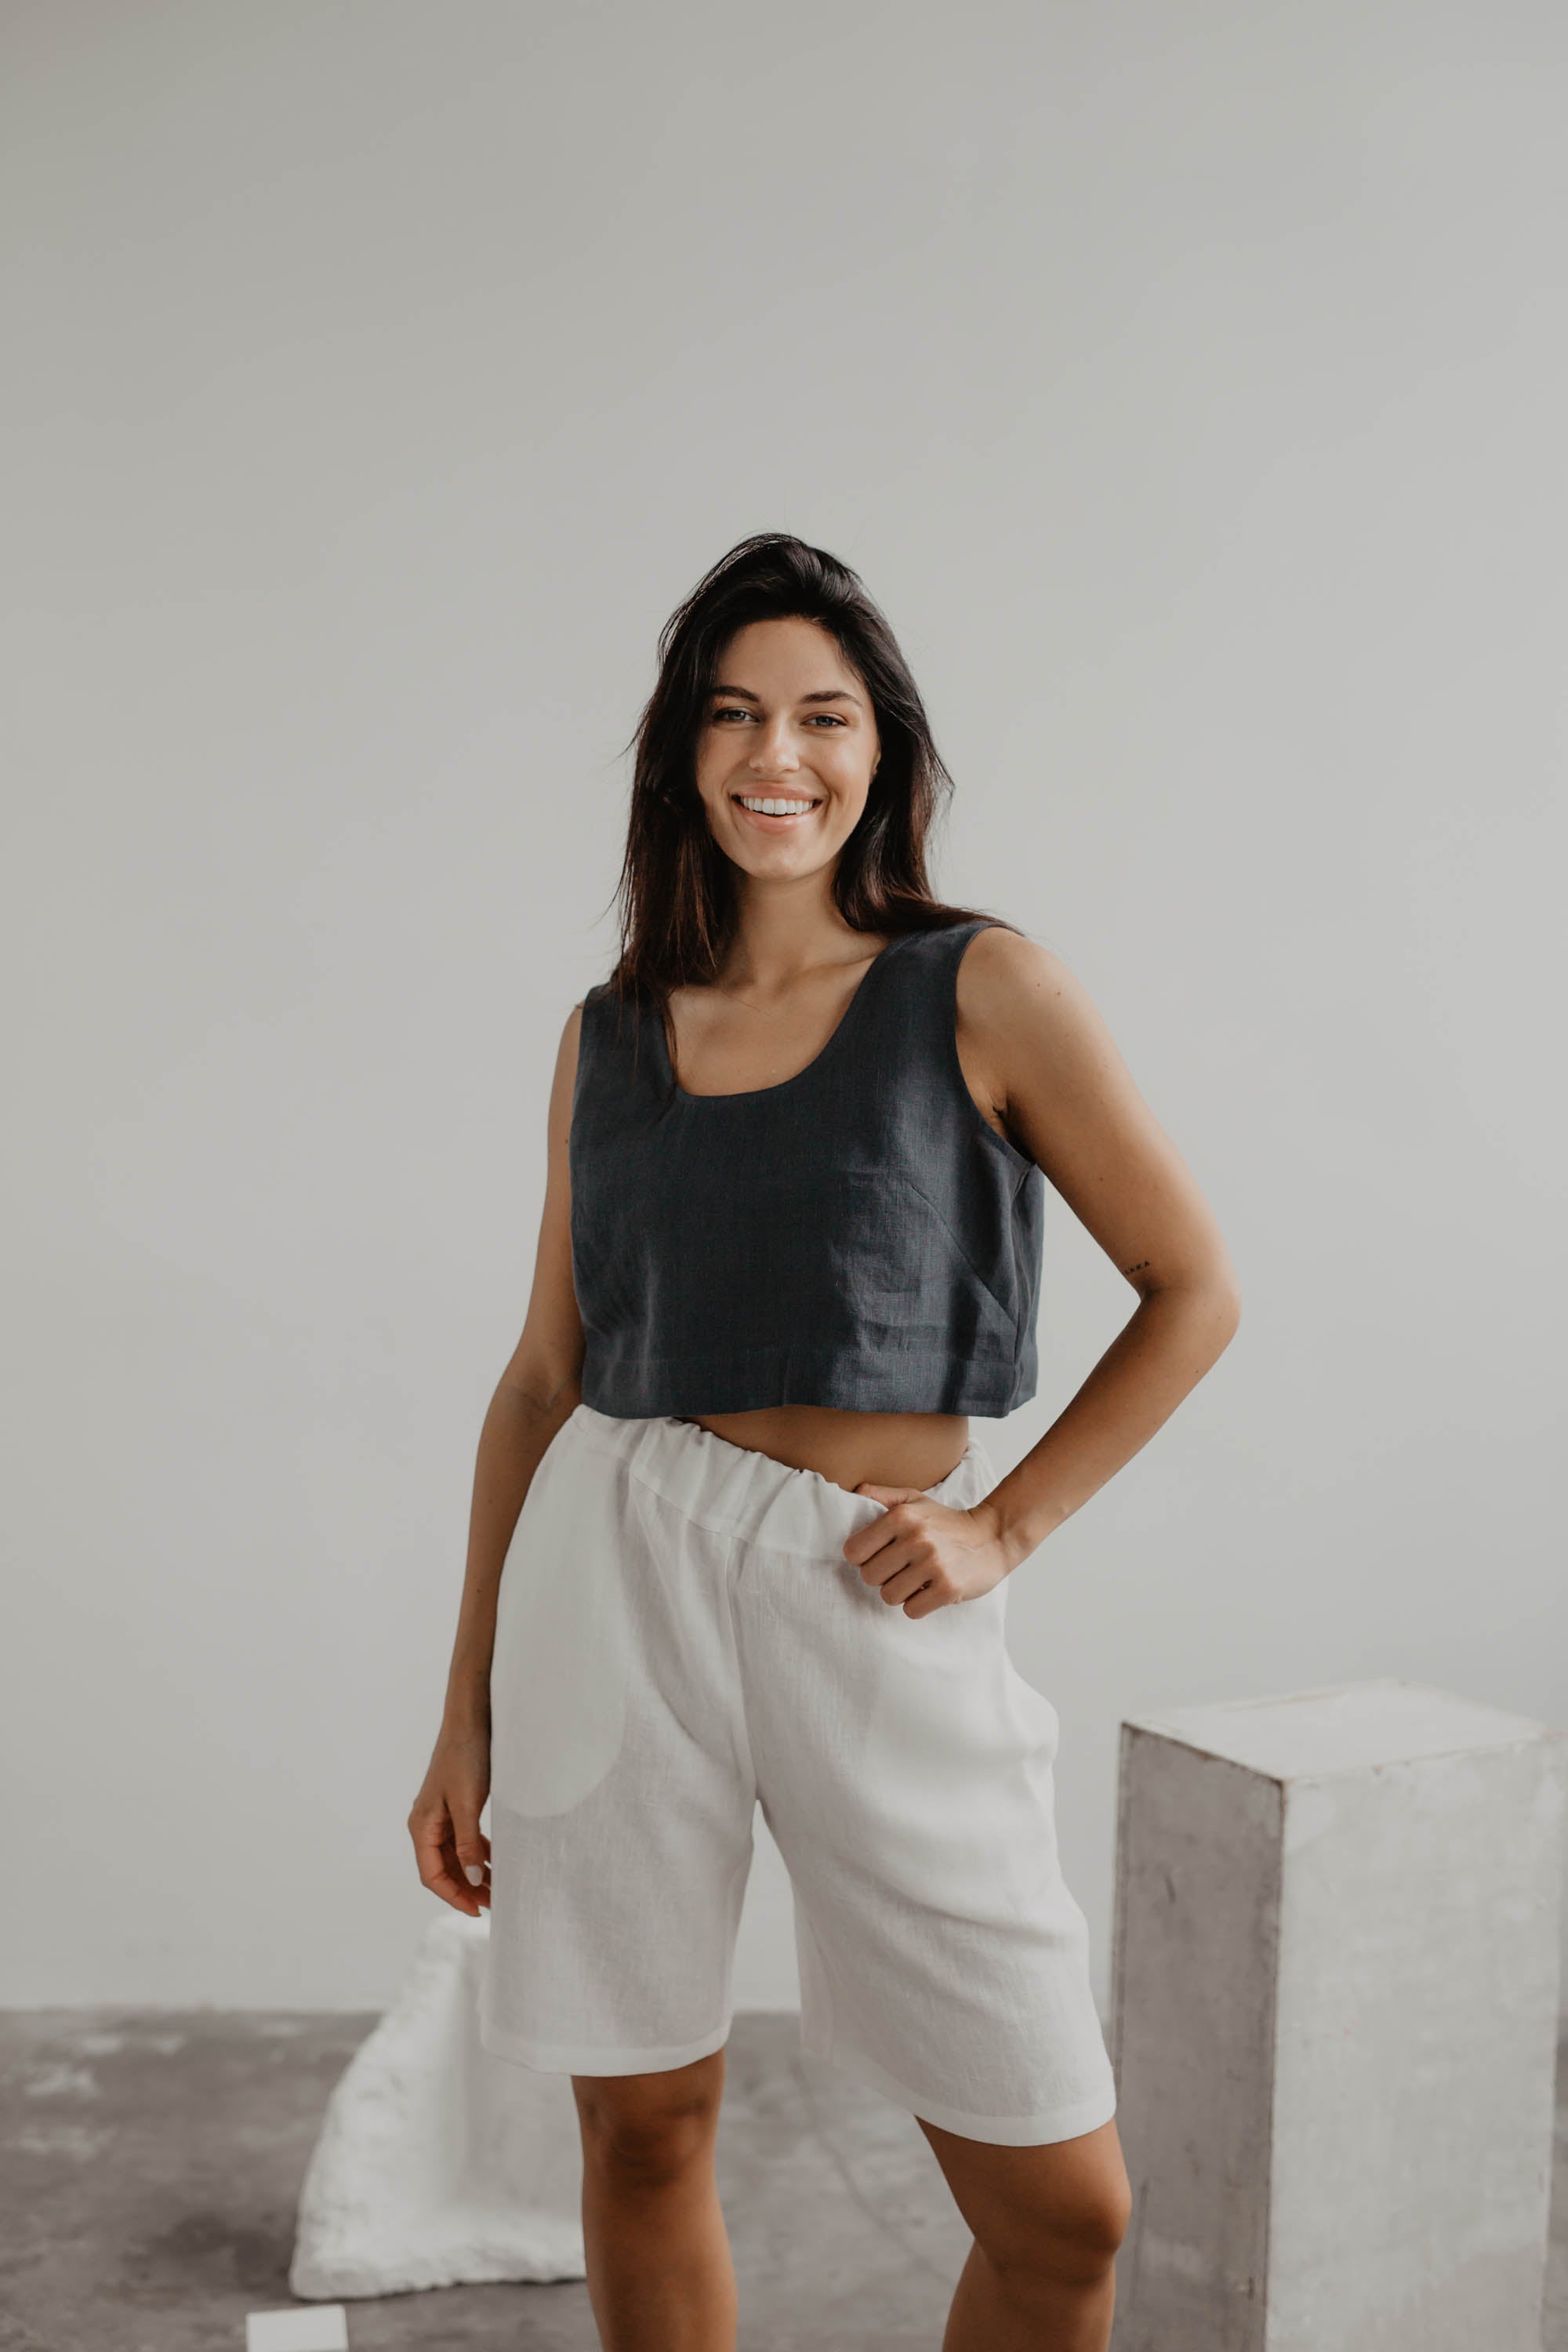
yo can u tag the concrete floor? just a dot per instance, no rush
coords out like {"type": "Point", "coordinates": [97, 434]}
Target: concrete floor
{"type": "Point", "coordinates": [150, 2166]}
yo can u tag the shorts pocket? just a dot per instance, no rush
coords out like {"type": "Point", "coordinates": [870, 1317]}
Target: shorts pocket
{"type": "Point", "coordinates": [558, 1673]}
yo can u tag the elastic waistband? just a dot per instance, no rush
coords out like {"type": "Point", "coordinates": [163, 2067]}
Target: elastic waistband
{"type": "Point", "coordinates": [735, 1490]}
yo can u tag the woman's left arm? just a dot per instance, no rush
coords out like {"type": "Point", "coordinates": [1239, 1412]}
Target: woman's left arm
{"type": "Point", "coordinates": [1032, 1039]}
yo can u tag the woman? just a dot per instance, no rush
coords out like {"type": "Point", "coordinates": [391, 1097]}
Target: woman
{"type": "Point", "coordinates": [790, 1241]}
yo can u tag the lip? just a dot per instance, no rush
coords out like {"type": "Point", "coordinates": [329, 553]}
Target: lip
{"type": "Point", "coordinates": [776, 824]}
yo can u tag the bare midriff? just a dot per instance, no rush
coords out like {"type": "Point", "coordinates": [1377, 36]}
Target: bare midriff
{"type": "Point", "coordinates": [851, 1449]}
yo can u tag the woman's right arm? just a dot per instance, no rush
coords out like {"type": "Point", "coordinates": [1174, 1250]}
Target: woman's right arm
{"type": "Point", "coordinates": [536, 1392]}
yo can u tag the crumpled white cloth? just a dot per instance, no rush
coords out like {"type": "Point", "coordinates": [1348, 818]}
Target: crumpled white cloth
{"type": "Point", "coordinates": [438, 2163]}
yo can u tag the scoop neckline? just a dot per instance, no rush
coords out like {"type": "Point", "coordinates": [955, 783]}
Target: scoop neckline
{"type": "Point", "coordinates": [754, 1094]}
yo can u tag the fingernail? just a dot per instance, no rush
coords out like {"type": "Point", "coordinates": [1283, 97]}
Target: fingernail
{"type": "Point", "coordinates": [474, 1874]}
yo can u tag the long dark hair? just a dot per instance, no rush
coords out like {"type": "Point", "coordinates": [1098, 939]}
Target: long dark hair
{"type": "Point", "coordinates": [676, 892]}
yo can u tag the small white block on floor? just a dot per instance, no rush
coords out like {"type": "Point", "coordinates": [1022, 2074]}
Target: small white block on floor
{"type": "Point", "coordinates": [1335, 1969]}
{"type": "Point", "coordinates": [324, 2329]}
{"type": "Point", "coordinates": [438, 2164]}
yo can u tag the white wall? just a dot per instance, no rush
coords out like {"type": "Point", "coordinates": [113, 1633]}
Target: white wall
{"type": "Point", "coordinates": [1189, 384]}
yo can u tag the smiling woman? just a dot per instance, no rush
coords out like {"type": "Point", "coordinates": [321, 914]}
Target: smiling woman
{"type": "Point", "coordinates": [785, 768]}
{"type": "Point", "coordinates": [778, 757]}
{"type": "Point", "coordinates": [799, 1138]}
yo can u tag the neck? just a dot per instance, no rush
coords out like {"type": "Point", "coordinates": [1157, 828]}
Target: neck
{"type": "Point", "coordinates": [784, 928]}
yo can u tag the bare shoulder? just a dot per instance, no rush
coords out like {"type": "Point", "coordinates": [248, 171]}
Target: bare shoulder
{"type": "Point", "coordinates": [1070, 1099]}
{"type": "Point", "coordinates": [998, 962]}
{"type": "Point", "coordinates": [564, 1081]}
{"type": "Point", "coordinates": [1007, 986]}
{"type": "Point", "coordinates": [1018, 998]}
{"type": "Point", "coordinates": [572, 1032]}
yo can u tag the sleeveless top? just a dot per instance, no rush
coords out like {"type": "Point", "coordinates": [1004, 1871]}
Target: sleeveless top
{"type": "Point", "coordinates": [859, 1235]}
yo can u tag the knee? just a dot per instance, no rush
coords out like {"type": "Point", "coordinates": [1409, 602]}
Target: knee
{"type": "Point", "coordinates": [1102, 2225]}
{"type": "Point", "coordinates": [1076, 2241]}
{"type": "Point", "coordinates": [643, 2132]}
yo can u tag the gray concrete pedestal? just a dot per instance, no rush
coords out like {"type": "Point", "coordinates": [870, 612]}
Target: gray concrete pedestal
{"type": "Point", "coordinates": [1335, 1973]}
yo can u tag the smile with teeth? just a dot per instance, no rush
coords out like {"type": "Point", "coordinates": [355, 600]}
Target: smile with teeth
{"type": "Point", "coordinates": [770, 805]}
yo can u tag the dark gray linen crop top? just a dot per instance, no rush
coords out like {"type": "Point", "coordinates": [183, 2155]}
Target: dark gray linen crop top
{"type": "Point", "coordinates": [859, 1235]}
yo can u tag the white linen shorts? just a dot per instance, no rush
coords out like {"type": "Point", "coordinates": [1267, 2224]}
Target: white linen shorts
{"type": "Point", "coordinates": [679, 1639]}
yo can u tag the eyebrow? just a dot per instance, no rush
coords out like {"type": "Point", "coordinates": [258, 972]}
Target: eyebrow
{"type": "Point", "coordinates": [826, 694]}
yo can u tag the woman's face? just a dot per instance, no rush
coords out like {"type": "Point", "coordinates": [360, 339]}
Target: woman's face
{"type": "Point", "coordinates": [786, 749]}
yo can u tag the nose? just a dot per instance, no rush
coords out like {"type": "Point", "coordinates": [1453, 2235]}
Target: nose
{"type": "Point", "coordinates": [773, 755]}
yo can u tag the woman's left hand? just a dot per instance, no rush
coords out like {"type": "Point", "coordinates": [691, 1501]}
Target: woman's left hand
{"type": "Point", "coordinates": [925, 1555]}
